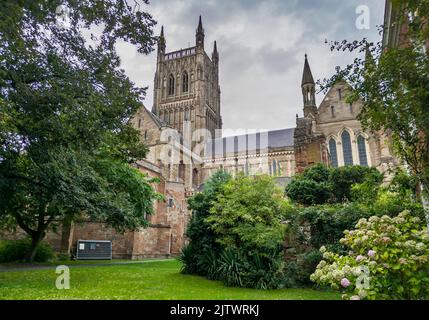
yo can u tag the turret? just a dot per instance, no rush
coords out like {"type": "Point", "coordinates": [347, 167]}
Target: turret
{"type": "Point", "coordinates": [161, 42]}
{"type": "Point", "coordinates": [215, 54]}
{"type": "Point", "coordinates": [308, 90]}
{"type": "Point", "coordinates": [199, 36]}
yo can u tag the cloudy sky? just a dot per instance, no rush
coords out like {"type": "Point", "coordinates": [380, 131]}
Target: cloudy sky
{"type": "Point", "coordinates": [261, 46]}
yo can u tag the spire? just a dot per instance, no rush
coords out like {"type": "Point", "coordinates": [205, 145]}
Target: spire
{"type": "Point", "coordinates": [215, 54]}
{"type": "Point", "coordinates": [308, 90]}
{"type": "Point", "coordinates": [200, 26]}
{"type": "Point", "coordinates": [307, 77]}
{"type": "Point", "coordinates": [161, 41]}
{"type": "Point", "coordinates": [200, 33]}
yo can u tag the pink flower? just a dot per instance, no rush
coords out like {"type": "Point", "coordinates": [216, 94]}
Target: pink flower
{"type": "Point", "coordinates": [371, 253]}
{"type": "Point", "coordinates": [345, 282]}
{"type": "Point", "coordinates": [359, 258]}
{"type": "Point", "coordinates": [354, 298]}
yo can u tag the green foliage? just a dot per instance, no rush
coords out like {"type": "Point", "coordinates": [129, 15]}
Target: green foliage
{"type": "Point", "coordinates": [230, 268]}
{"type": "Point", "coordinates": [65, 136]}
{"type": "Point", "coordinates": [16, 250]}
{"type": "Point", "coordinates": [319, 185]}
{"type": "Point", "coordinates": [246, 220]}
{"type": "Point", "coordinates": [391, 81]}
{"type": "Point", "coordinates": [298, 271]}
{"type": "Point", "coordinates": [328, 222]}
{"type": "Point", "coordinates": [323, 225]}
{"type": "Point", "coordinates": [239, 269]}
{"type": "Point", "coordinates": [342, 180]}
{"type": "Point", "coordinates": [196, 256]}
{"type": "Point", "coordinates": [309, 192]}
{"type": "Point", "coordinates": [236, 232]}
{"type": "Point", "coordinates": [247, 215]}
{"type": "Point", "coordinates": [388, 256]}
{"type": "Point", "coordinates": [403, 184]}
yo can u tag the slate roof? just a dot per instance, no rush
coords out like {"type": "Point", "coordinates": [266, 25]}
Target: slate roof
{"type": "Point", "coordinates": [269, 140]}
{"type": "Point", "coordinates": [159, 122]}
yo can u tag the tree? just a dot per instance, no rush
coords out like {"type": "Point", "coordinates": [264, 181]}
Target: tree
{"type": "Point", "coordinates": [248, 214]}
{"type": "Point", "coordinates": [393, 83]}
{"type": "Point", "coordinates": [319, 184]}
{"type": "Point", "coordinates": [202, 241]}
{"type": "Point", "coordinates": [65, 105]}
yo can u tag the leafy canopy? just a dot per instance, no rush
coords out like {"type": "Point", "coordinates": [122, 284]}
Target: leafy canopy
{"type": "Point", "coordinates": [65, 105]}
{"type": "Point", "coordinates": [248, 214]}
{"type": "Point", "coordinates": [319, 184]}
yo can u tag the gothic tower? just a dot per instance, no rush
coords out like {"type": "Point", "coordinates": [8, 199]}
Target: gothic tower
{"type": "Point", "coordinates": [186, 87]}
{"type": "Point", "coordinates": [308, 91]}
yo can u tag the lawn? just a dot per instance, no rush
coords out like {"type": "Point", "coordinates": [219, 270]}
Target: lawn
{"type": "Point", "coordinates": [156, 280]}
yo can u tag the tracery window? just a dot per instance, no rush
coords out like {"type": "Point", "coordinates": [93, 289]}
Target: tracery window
{"type": "Point", "coordinates": [363, 160]}
{"type": "Point", "coordinates": [171, 85]}
{"type": "Point", "coordinates": [333, 152]}
{"type": "Point", "coordinates": [347, 148]}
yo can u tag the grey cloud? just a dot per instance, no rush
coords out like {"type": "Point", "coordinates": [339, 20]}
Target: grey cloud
{"type": "Point", "coordinates": [261, 46]}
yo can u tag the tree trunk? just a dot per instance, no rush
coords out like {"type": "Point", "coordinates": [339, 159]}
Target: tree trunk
{"type": "Point", "coordinates": [35, 240]}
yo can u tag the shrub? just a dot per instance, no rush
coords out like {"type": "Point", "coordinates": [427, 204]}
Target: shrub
{"type": "Point", "coordinates": [298, 271]}
{"type": "Point", "coordinates": [320, 185]}
{"type": "Point", "coordinates": [202, 241]}
{"type": "Point", "coordinates": [342, 180]}
{"type": "Point", "coordinates": [392, 252]}
{"type": "Point", "coordinates": [231, 268]}
{"type": "Point", "coordinates": [248, 214]}
{"type": "Point", "coordinates": [309, 192]}
{"type": "Point", "coordinates": [239, 269]}
{"type": "Point", "coordinates": [236, 232]}
{"type": "Point", "coordinates": [247, 222]}
{"type": "Point", "coordinates": [323, 225]}
{"type": "Point", "coordinates": [16, 250]}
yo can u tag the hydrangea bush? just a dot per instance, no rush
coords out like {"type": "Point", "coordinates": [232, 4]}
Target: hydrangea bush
{"type": "Point", "coordinates": [388, 259]}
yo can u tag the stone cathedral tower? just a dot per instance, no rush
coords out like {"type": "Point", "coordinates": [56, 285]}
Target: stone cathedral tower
{"type": "Point", "coordinates": [186, 87]}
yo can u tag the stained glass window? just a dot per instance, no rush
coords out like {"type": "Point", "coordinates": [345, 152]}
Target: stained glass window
{"type": "Point", "coordinates": [333, 152]}
{"type": "Point", "coordinates": [363, 160]}
{"type": "Point", "coordinates": [347, 149]}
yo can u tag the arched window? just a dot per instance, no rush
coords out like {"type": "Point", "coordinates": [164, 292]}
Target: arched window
{"type": "Point", "coordinates": [347, 148]}
{"type": "Point", "coordinates": [333, 152]}
{"type": "Point", "coordinates": [171, 85]}
{"type": "Point", "coordinates": [185, 82]}
{"type": "Point", "coordinates": [182, 171]}
{"type": "Point", "coordinates": [363, 160]}
{"type": "Point", "coordinates": [274, 166]}
{"type": "Point", "coordinates": [195, 178]}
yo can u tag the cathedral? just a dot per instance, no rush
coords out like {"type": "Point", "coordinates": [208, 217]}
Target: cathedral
{"type": "Point", "coordinates": [183, 132]}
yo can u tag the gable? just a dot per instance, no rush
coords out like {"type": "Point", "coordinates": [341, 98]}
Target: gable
{"type": "Point", "coordinates": [148, 125]}
{"type": "Point", "coordinates": [335, 108]}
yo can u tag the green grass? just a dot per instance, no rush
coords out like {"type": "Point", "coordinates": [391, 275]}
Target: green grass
{"type": "Point", "coordinates": [22, 264]}
{"type": "Point", "coordinates": [155, 280]}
